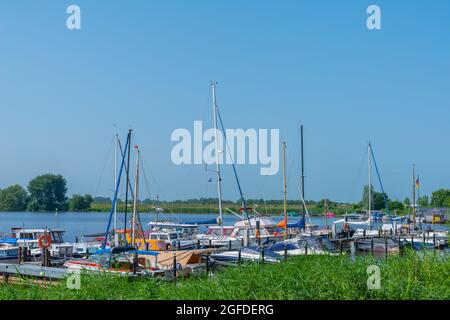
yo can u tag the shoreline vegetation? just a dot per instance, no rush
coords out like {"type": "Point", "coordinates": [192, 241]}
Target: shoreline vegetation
{"type": "Point", "coordinates": [414, 276]}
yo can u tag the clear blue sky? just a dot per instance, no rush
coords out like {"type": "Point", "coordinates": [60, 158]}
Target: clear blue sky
{"type": "Point", "coordinates": [148, 64]}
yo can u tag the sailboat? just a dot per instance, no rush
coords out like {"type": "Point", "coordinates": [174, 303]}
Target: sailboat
{"type": "Point", "coordinates": [365, 228]}
{"type": "Point", "coordinates": [247, 229]}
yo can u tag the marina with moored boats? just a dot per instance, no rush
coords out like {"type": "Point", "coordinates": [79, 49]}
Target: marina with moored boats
{"type": "Point", "coordinates": [170, 249]}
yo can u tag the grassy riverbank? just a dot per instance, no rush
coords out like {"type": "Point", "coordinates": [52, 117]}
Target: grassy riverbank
{"type": "Point", "coordinates": [311, 277]}
{"type": "Point", "coordinates": [269, 209]}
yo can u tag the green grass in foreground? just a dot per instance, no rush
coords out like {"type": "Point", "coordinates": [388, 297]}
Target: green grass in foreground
{"type": "Point", "coordinates": [311, 277]}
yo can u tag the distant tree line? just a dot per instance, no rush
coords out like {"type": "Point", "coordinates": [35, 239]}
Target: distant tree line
{"type": "Point", "coordinates": [46, 192]}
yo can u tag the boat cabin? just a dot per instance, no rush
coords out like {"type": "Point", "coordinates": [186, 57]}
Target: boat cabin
{"type": "Point", "coordinates": [34, 234]}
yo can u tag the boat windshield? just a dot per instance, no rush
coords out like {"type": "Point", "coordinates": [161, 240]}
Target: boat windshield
{"type": "Point", "coordinates": [57, 237]}
{"type": "Point", "coordinates": [163, 237]}
{"type": "Point", "coordinates": [173, 236]}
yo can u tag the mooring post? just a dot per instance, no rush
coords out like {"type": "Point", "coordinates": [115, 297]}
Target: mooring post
{"type": "Point", "coordinates": [210, 243]}
{"type": "Point", "coordinates": [262, 255]}
{"type": "Point", "coordinates": [229, 245]}
{"type": "Point", "coordinates": [242, 242]}
{"type": "Point", "coordinates": [178, 246]}
{"type": "Point", "coordinates": [134, 263]}
{"type": "Point", "coordinates": [371, 246]}
{"type": "Point", "coordinates": [285, 252]}
{"type": "Point", "coordinates": [198, 243]}
{"type": "Point", "coordinates": [412, 242]}
{"type": "Point", "coordinates": [207, 264]}
{"type": "Point", "coordinates": [424, 240]}
{"type": "Point", "coordinates": [239, 257]}
{"type": "Point", "coordinates": [434, 240]}
{"type": "Point", "coordinates": [44, 257]}
{"type": "Point", "coordinates": [306, 248]}
{"type": "Point", "coordinates": [174, 265]}
{"type": "Point", "coordinates": [364, 234]}
{"type": "Point", "coordinates": [19, 257]}
{"type": "Point", "coordinates": [385, 247]}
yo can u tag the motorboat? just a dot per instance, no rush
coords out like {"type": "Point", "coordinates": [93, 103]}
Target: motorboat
{"type": "Point", "coordinates": [377, 245]}
{"type": "Point", "coordinates": [304, 245]}
{"type": "Point", "coordinates": [218, 236]}
{"type": "Point", "coordinates": [8, 251]}
{"type": "Point", "coordinates": [29, 238]}
{"type": "Point", "coordinates": [248, 254]}
{"type": "Point", "coordinates": [162, 236]}
{"type": "Point", "coordinates": [245, 231]}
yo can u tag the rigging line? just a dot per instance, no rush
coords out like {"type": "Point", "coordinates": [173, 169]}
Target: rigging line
{"type": "Point", "coordinates": [244, 204]}
{"type": "Point", "coordinates": [104, 167]}
{"type": "Point", "coordinates": [300, 191]}
{"type": "Point", "coordinates": [381, 185]}
{"type": "Point", "coordinates": [126, 168]}
{"type": "Point", "coordinates": [358, 173]}
{"type": "Point", "coordinates": [115, 195]}
{"type": "Point", "coordinates": [147, 184]}
{"type": "Point", "coordinates": [139, 221]}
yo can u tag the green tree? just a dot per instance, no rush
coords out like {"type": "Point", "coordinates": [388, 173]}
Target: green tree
{"type": "Point", "coordinates": [80, 203]}
{"type": "Point", "coordinates": [377, 199]}
{"type": "Point", "coordinates": [47, 193]}
{"type": "Point", "coordinates": [423, 201]}
{"type": "Point", "coordinates": [407, 202]}
{"type": "Point", "coordinates": [396, 205]}
{"type": "Point", "coordinates": [13, 198]}
{"type": "Point", "coordinates": [440, 198]}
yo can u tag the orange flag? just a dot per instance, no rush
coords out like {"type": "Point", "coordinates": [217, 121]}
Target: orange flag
{"type": "Point", "coordinates": [282, 224]}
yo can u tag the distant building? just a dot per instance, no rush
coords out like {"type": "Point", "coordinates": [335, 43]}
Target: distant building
{"type": "Point", "coordinates": [433, 215]}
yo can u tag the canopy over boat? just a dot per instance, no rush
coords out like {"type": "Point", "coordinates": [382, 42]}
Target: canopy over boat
{"type": "Point", "coordinates": [263, 222]}
{"type": "Point", "coordinates": [171, 225]}
{"type": "Point", "coordinates": [204, 222]}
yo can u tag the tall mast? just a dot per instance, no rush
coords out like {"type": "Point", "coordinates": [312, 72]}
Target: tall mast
{"type": "Point", "coordinates": [414, 196]}
{"type": "Point", "coordinates": [116, 141]}
{"type": "Point", "coordinates": [369, 159]}
{"type": "Point", "coordinates": [303, 175]}
{"type": "Point", "coordinates": [136, 197]}
{"type": "Point", "coordinates": [127, 184]}
{"type": "Point", "coordinates": [219, 179]}
{"type": "Point", "coordinates": [284, 190]}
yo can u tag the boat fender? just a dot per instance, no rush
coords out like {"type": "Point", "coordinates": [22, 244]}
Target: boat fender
{"type": "Point", "coordinates": [44, 241]}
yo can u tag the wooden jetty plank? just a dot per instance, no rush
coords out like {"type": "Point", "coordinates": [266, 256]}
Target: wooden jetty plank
{"type": "Point", "coordinates": [33, 270]}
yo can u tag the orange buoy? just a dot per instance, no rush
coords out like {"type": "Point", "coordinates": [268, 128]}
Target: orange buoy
{"type": "Point", "coordinates": [44, 241]}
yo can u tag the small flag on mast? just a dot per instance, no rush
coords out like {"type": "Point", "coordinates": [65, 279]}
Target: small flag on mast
{"type": "Point", "coordinates": [417, 183]}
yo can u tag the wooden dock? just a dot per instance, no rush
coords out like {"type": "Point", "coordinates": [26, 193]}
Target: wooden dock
{"type": "Point", "coordinates": [32, 270]}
